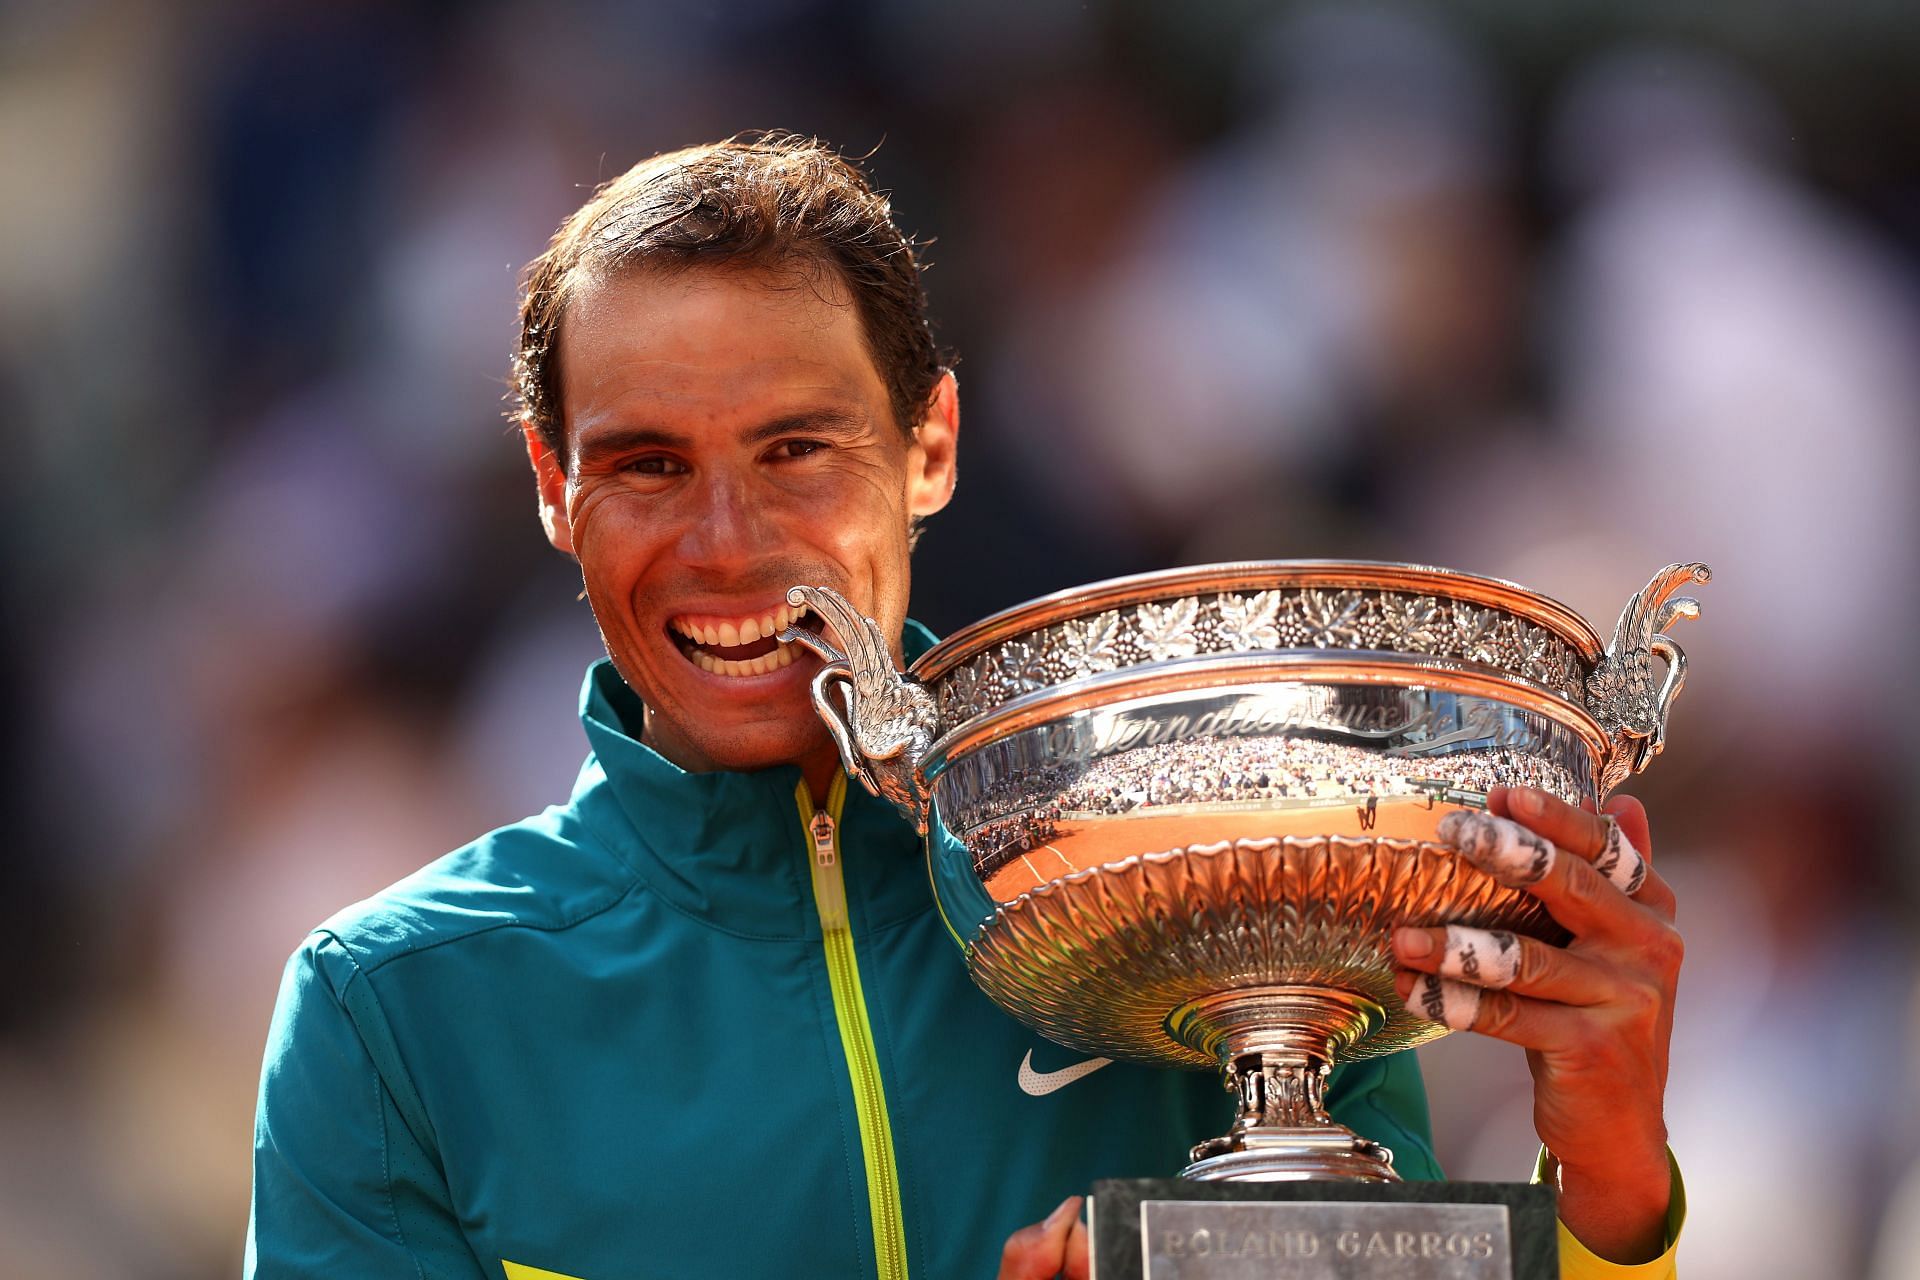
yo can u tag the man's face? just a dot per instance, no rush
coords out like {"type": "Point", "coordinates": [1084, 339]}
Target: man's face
{"type": "Point", "coordinates": [728, 436]}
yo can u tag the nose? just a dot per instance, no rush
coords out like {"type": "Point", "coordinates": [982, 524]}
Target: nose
{"type": "Point", "coordinates": [728, 525]}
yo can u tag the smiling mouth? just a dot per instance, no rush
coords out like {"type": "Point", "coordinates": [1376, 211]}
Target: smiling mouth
{"type": "Point", "coordinates": [739, 646]}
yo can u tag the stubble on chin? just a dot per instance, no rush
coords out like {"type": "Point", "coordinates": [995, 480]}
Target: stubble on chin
{"type": "Point", "coordinates": [792, 739]}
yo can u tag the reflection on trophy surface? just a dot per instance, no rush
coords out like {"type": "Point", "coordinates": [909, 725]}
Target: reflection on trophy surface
{"type": "Point", "coordinates": [1175, 818]}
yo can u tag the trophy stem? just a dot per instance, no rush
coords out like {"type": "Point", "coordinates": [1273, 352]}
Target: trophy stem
{"type": "Point", "coordinates": [1276, 1046]}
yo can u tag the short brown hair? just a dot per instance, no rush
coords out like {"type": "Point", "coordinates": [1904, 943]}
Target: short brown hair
{"type": "Point", "coordinates": [772, 200]}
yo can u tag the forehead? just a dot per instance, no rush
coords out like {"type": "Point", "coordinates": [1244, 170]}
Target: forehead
{"type": "Point", "coordinates": [713, 342]}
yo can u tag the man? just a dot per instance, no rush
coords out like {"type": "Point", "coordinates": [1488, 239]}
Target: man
{"type": "Point", "coordinates": [704, 1018]}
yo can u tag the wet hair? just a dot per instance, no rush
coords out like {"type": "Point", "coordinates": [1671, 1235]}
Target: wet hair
{"type": "Point", "coordinates": [773, 202]}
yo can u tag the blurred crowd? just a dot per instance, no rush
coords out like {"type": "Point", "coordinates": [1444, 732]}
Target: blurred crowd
{"type": "Point", "coordinates": [1556, 298]}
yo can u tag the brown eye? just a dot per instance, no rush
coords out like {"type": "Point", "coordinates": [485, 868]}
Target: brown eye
{"type": "Point", "coordinates": [800, 448]}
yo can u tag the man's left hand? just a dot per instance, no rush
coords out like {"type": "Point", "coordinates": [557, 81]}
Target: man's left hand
{"type": "Point", "coordinates": [1056, 1247]}
{"type": "Point", "coordinates": [1595, 1016]}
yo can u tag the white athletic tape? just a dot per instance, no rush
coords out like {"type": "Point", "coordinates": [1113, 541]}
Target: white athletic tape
{"type": "Point", "coordinates": [1441, 1000]}
{"type": "Point", "coordinates": [1507, 851]}
{"type": "Point", "coordinates": [1483, 957]}
{"type": "Point", "coordinates": [1619, 861]}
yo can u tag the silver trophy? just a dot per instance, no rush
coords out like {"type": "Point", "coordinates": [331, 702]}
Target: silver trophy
{"type": "Point", "coordinates": [1175, 818]}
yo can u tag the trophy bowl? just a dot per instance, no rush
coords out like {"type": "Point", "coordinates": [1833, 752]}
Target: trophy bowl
{"type": "Point", "coordinates": [1174, 818]}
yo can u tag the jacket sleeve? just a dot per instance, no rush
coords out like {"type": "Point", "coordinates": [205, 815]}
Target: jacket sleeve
{"type": "Point", "coordinates": [345, 1183]}
{"type": "Point", "coordinates": [1577, 1262]}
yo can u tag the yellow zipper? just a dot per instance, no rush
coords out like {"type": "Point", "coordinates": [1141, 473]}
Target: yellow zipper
{"type": "Point", "coordinates": [856, 1035]}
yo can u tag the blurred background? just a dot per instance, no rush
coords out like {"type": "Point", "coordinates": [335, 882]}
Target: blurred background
{"type": "Point", "coordinates": [1558, 293]}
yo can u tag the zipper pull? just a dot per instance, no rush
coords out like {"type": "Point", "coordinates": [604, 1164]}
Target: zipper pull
{"type": "Point", "coordinates": [822, 829]}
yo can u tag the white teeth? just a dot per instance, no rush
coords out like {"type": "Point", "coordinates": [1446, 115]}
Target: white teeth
{"type": "Point", "coordinates": [766, 662]}
{"type": "Point", "coordinates": [744, 631]}
{"type": "Point", "coordinates": [784, 618]}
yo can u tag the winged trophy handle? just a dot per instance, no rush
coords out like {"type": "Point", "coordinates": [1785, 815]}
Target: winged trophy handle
{"type": "Point", "coordinates": [882, 721]}
{"type": "Point", "coordinates": [1621, 693]}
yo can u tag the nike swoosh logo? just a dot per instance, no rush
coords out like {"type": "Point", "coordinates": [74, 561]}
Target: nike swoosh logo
{"type": "Point", "coordinates": [1040, 1084]}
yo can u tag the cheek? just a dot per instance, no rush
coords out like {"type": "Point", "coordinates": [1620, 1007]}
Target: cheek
{"type": "Point", "coordinates": [850, 516]}
{"type": "Point", "coordinates": [871, 535]}
{"type": "Point", "coordinates": [878, 553]}
{"type": "Point", "coordinates": [608, 526]}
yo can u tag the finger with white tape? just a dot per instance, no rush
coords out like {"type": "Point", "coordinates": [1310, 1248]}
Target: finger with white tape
{"type": "Point", "coordinates": [1505, 850]}
{"type": "Point", "coordinates": [1442, 1000]}
{"type": "Point", "coordinates": [1619, 861]}
{"type": "Point", "coordinates": [1482, 957]}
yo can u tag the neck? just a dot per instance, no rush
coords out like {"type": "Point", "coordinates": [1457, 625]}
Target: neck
{"type": "Point", "coordinates": [818, 770]}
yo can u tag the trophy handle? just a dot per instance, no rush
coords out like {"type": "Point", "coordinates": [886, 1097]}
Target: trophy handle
{"type": "Point", "coordinates": [1621, 694]}
{"type": "Point", "coordinates": [882, 721]}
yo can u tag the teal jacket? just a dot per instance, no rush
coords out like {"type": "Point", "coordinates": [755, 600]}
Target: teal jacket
{"type": "Point", "coordinates": [615, 1040]}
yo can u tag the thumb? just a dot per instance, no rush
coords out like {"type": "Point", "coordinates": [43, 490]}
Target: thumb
{"type": "Point", "coordinates": [1077, 1267]}
{"type": "Point", "coordinates": [1039, 1252]}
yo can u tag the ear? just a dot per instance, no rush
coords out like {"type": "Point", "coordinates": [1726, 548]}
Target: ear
{"type": "Point", "coordinates": [550, 481]}
{"type": "Point", "coordinates": [930, 464]}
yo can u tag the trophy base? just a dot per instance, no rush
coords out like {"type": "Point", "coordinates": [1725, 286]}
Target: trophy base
{"type": "Point", "coordinates": [1174, 1229]}
{"type": "Point", "coordinates": [1292, 1154]}
{"type": "Point", "coordinates": [1276, 1045]}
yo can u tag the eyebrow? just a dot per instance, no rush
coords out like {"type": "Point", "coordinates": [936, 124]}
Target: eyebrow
{"type": "Point", "coordinates": [837, 422]}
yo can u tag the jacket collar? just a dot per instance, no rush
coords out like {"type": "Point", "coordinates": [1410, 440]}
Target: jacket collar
{"type": "Point", "coordinates": [728, 848]}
